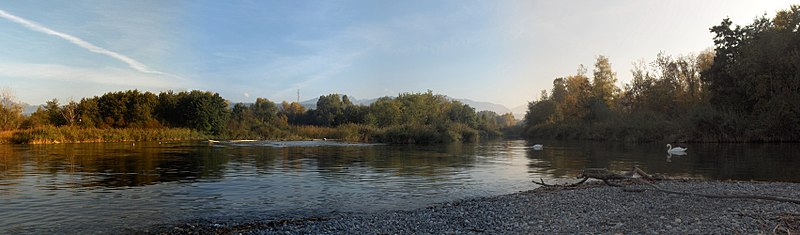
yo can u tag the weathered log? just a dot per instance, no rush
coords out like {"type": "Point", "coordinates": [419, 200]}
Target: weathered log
{"type": "Point", "coordinates": [607, 176]}
{"type": "Point", "coordinates": [601, 174]}
{"type": "Point", "coordinates": [542, 183]}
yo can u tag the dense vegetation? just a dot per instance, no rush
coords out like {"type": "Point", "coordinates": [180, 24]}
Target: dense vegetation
{"type": "Point", "coordinates": [133, 116]}
{"type": "Point", "coordinates": [408, 118]}
{"type": "Point", "coordinates": [747, 89]}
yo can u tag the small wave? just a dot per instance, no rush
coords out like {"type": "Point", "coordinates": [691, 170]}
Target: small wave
{"type": "Point", "coordinates": [283, 144]}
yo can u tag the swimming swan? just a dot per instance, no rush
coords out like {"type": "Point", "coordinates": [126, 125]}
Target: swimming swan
{"type": "Point", "coordinates": [676, 149]}
{"type": "Point", "coordinates": [537, 147]}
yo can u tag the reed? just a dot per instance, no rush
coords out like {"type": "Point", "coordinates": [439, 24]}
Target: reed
{"type": "Point", "coordinates": [67, 134]}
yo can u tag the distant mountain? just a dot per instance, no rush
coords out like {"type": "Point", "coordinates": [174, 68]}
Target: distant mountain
{"type": "Point", "coordinates": [28, 109]}
{"type": "Point", "coordinates": [481, 106]}
{"type": "Point", "coordinates": [519, 111]}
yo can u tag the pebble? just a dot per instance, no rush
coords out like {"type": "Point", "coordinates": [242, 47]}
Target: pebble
{"type": "Point", "coordinates": [600, 209]}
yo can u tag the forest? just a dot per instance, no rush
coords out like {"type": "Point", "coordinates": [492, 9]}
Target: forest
{"type": "Point", "coordinates": [133, 115]}
{"type": "Point", "coordinates": [746, 90]}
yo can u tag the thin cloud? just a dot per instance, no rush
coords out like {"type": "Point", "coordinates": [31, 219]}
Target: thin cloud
{"type": "Point", "coordinates": [100, 76]}
{"type": "Point", "coordinates": [80, 42]}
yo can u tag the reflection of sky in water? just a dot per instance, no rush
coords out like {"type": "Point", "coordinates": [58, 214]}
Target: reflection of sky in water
{"type": "Point", "coordinates": [83, 187]}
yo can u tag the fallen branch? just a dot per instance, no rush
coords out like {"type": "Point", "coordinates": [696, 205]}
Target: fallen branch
{"type": "Point", "coordinates": [601, 174]}
{"type": "Point", "coordinates": [542, 183]}
{"type": "Point", "coordinates": [609, 177]}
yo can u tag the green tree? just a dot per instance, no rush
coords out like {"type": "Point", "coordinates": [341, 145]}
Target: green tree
{"type": "Point", "coordinates": [167, 110]}
{"type": "Point", "coordinates": [330, 110]}
{"type": "Point", "coordinates": [38, 118]}
{"type": "Point", "coordinates": [54, 115]}
{"type": "Point", "coordinates": [89, 113]}
{"type": "Point", "coordinates": [243, 121]}
{"type": "Point", "coordinates": [293, 112]}
{"type": "Point", "coordinates": [458, 112]}
{"type": "Point", "coordinates": [265, 111]}
{"type": "Point", "coordinates": [603, 84]}
{"type": "Point", "coordinates": [578, 97]}
{"type": "Point", "coordinates": [539, 112]}
{"type": "Point", "coordinates": [385, 112]}
{"type": "Point", "coordinates": [128, 109]}
{"type": "Point", "coordinates": [203, 111]}
{"type": "Point", "coordinates": [506, 120]}
{"type": "Point", "coordinates": [755, 75]}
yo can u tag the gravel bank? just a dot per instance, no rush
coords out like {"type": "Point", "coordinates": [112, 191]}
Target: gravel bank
{"type": "Point", "coordinates": [592, 209]}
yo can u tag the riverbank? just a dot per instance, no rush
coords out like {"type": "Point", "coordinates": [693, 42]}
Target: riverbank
{"type": "Point", "coordinates": [591, 209]}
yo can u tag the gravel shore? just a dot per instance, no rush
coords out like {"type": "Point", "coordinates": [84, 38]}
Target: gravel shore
{"type": "Point", "coordinates": [590, 209]}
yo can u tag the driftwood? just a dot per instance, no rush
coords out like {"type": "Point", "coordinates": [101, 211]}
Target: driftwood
{"type": "Point", "coordinates": [609, 177]}
{"type": "Point", "coordinates": [606, 176]}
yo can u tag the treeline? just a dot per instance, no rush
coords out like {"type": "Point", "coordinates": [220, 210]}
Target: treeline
{"type": "Point", "coordinates": [746, 89]}
{"type": "Point", "coordinates": [408, 118]}
{"type": "Point", "coordinates": [203, 111]}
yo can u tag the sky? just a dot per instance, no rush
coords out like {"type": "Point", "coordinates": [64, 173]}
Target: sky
{"type": "Point", "coordinates": [503, 52]}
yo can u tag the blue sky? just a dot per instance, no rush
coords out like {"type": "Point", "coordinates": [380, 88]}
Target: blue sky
{"type": "Point", "coordinates": [504, 52]}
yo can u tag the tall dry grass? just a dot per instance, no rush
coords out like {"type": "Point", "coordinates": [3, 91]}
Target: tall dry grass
{"type": "Point", "coordinates": [67, 134]}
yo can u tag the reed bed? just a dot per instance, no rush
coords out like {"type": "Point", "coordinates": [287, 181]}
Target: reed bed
{"type": "Point", "coordinates": [67, 134]}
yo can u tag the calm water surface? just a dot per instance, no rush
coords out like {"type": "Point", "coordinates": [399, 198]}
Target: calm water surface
{"type": "Point", "coordinates": [125, 187]}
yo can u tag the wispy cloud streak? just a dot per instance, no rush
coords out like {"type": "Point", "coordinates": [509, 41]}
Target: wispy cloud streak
{"type": "Point", "coordinates": [80, 42]}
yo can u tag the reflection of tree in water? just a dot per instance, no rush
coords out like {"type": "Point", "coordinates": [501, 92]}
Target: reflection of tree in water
{"type": "Point", "coordinates": [11, 166]}
{"type": "Point", "coordinates": [139, 164]}
{"type": "Point", "coordinates": [714, 161]}
{"type": "Point", "coordinates": [751, 161]}
{"type": "Point", "coordinates": [423, 160]}
{"type": "Point", "coordinates": [568, 159]}
{"type": "Point", "coordinates": [128, 164]}
{"type": "Point", "coordinates": [116, 164]}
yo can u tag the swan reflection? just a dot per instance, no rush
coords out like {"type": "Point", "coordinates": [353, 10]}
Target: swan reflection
{"type": "Point", "coordinates": [670, 154]}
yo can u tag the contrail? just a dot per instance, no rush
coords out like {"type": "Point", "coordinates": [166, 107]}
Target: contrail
{"type": "Point", "coordinates": [79, 42]}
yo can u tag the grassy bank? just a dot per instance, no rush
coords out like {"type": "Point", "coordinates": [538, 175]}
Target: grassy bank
{"type": "Point", "coordinates": [66, 134]}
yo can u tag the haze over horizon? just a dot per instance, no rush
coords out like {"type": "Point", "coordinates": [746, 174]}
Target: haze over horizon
{"type": "Point", "coordinates": [499, 52]}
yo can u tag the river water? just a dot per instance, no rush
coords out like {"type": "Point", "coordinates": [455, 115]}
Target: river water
{"type": "Point", "coordinates": [129, 187]}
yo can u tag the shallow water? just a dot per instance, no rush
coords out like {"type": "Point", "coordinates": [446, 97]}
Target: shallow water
{"type": "Point", "coordinates": [123, 187]}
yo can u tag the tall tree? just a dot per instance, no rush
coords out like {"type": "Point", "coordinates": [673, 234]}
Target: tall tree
{"type": "Point", "coordinates": [293, 111]}
{"type": "Point", "coordinates": [54, 115]}
{"type": "Point", "coordinates": [204, 111]}
{"type": "Point", "coordinates": [10, 110]}
{"type": "Point", "coordinates": [265, 110]}
{"type": "Point", "coordinates": [578, 97]}
{"type": "Point", "coordinates": [89, 113]}
{"type": "Point", "coordinates": [70, 113]}
{"type": "Point", "coordinates": [603, 84]}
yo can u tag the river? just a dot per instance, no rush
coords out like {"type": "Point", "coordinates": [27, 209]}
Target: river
{"type": "Point", "coordinates": [129, 187]}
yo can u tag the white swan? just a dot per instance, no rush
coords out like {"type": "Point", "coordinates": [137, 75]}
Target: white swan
{"type": "Point", "coordinates": [675, 150]}
{"type": "Point", "coordinates": [537, 147]}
